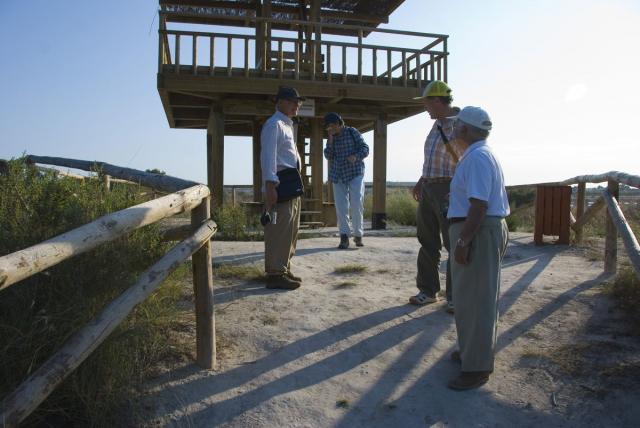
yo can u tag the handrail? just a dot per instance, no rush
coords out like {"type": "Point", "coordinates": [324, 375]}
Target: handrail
{"type": "Point", "coordinates": [620, 177]}
{"type": "Point", "coordinates": [312, 24]}
{"type": "Point", "coordinates": [27, 262]}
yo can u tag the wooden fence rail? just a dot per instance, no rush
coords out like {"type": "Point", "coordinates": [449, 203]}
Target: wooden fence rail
{"type": "Point", "coordinates": [616, 224]}
{"type": "Point", "coordinates": [25, 263]}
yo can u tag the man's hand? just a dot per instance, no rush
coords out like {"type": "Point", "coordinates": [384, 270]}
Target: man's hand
{"type": "Point", "coordinates": [329, 138]}
{"type": "Point", "coordinates": [461, 254]}
{"type": "Point", "coordinates": [417, 190]}
{"type": "Point", "coordinates": [270, 195]}
{"type": "Point", "coordinates": [352, 158]}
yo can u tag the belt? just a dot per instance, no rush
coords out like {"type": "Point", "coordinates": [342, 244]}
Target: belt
{"type": "Point", "coordinates": [430, 180]}
{"type": "Point", "coordinates": [457, 219]}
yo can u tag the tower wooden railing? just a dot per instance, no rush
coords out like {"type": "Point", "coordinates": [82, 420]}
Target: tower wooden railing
{"type": "Point", "coordinates": [616, 222]}
{"type": "Point", "coordinates": [186, 196]}
{"type": "Point", "coordinates": [297, 59]}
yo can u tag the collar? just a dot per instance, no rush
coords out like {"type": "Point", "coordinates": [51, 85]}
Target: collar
{"type": "Point", "coordinates": [281, 116]}
{"type": "Point", "coordinates": [473, 147]}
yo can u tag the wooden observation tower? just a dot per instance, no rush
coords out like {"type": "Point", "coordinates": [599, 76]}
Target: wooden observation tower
{"type": "Point", "coordinates": [224, 79]}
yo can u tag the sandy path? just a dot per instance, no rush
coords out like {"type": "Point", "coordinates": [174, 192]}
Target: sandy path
{"type": "Point", "coordinates": [346, 351]}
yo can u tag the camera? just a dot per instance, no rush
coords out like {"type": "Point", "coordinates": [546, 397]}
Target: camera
{"type": "Point", "coordinates": [267, 218]}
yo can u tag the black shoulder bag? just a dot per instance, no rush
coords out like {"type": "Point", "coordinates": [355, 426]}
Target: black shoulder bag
{"type": "Point", "coordinates": [290, 184]}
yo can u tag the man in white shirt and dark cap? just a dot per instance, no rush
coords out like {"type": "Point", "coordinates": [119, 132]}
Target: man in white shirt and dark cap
{"type": "Point", "coordinates": [278, 152]}
{"type": "Point", "coordinates": [478, 205]}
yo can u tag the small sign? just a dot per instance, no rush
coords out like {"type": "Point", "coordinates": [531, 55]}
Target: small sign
{"type": "Point", "coordinates": [307, 109]}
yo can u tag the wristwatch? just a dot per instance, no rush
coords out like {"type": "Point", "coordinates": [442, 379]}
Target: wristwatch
{"type": "Point", "coordinates": [461, 243]}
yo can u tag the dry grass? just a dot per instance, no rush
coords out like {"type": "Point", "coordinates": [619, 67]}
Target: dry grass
{"type": "Point", "coordinates": [352, 268]}
{"type": "Point", "coordinates": [245, 272]}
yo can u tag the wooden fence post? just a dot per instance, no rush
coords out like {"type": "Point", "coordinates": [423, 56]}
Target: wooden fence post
{"type": "Point", "coordinates": [580, 209]}
{"type": "Point", "coordinates": [106, 179]}
{"type": "Point", "coordinates": [611, 240]}
{"type": "Point", "coordinates": [203, 289]}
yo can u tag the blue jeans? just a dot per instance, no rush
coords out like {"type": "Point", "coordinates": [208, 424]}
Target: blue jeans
{"type": "Point", "coordinates": [349, 195]}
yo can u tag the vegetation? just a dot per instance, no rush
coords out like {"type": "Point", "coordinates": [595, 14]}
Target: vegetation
{"type": "Point", "coordinates": [40, 313]}
{"type": "Point", "coordinates": [401, 207]}
{"type": "Point", "coordinates": [235, 224]}
{"type": "Point", "coordinates": [350, 269]}
{"type": "Point", "coordinates": [625, 289]}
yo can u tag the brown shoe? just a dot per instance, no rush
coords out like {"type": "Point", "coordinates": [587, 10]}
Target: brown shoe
{"type": "Point", "coordinates": [469, 380]}
{"type": "Point", "coordinates": [293, 277]}
{"type": "Point", "coordinates": [281, 282]}
{"type": "Point", "coordinates": [455, 357]}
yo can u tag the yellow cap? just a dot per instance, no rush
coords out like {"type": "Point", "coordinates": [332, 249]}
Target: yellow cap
{"type": "Point", "coordinates": [436, 88]}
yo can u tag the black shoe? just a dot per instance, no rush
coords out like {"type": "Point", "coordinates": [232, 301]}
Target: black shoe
{"type": "Point", "coordinates": [358, 241]}
{"type": "Point", "coordinates": [282, 282]}
{"type": "Point", "coordinates": [344, 242]}
{"type": "Point", "coordinates": [293, 277]}
{"type": "Point", "coordinates": [469, 380]}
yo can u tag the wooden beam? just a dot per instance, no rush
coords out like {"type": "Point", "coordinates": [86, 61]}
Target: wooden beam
{"type": "Point", "coordinates": [379, 219]}
{"type": "Point", "coordinates": [588, 214]}
{"type": "Point", "coordinates": [215, 155]}
{"type": "Point", "coordinates": [620, 177]}
{"type": "Point", "coordinates": [611, 238]}
{"type": "Point", "coordinates": [629, 239]}
{"type": "Point", "coordinates": [203, 291]}
{"type": "Point", "coordinates": [257, 168]}
{"type": "Point", "coordinates": [317, 157]}
{"type": "Point", "coordinates": [580, 209]}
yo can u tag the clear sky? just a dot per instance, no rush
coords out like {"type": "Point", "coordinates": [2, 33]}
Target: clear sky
{"type": "Point", "coordinates": [558, 77]}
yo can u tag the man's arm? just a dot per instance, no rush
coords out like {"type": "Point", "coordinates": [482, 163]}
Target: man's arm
{"type": "Point", "coordinates": [417, 190]}
{"type": "Point", "coordinates": [329, 150]}
{"type": "Point", "coordinates": [477, 213]}
{"type": "Point", "coordinates": [268, 155]}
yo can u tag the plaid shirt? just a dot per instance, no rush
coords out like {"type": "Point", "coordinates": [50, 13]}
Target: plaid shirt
{"type": "Point", "coordinates": [437, 160]}
{"type": "Point", "coordinates": [348, 142]}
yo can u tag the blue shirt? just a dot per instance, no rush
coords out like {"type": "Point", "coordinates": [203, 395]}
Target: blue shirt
{"type": "Point", "coordinates": [479, 176]}
{"type": "Point", "coordinates": [348, 142]}
{"type": "Point", "coordinates": [278, 148]}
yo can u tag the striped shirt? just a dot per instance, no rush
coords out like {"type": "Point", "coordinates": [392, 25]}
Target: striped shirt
{"type": "Point", "coordinates": [437, 160]}
{"type": "Point", "coordinates": [348, 142]}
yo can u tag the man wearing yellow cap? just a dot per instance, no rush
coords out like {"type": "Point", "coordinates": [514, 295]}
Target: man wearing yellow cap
{"type": "Point", "coordinates": [432, 190]}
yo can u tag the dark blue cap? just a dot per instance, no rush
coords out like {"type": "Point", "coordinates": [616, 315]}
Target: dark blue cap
{"type": "Point", "coordinates": [288, 93]}
{"type": "Point", "coordinates": [333, 118]}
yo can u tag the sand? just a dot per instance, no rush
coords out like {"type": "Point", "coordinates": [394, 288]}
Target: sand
{"type": "Point", "coordinates": [346, 350]}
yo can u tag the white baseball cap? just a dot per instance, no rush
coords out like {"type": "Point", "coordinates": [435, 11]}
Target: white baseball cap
{"type": "Point", "coordinates": [474, 116]}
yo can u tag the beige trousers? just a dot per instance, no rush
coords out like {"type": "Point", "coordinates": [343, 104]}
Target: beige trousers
{"type": "Point", "coordinates": [476, 287]}
{"type": "Point", "coordinates": [280, 239]}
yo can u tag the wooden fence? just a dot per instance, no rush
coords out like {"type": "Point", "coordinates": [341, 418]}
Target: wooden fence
{"type": "Point", "coordinates": [295, 58]}
{"type": "Point", "coordinates": [185, 196]}
{"type": "Point", "coordinates": [616, 223]}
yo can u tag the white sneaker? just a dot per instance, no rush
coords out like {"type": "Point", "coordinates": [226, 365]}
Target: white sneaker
{"type": "Point", "coordinates": [422, 299]}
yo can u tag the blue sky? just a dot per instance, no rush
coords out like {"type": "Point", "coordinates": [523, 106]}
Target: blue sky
{"type": "Point", "coordinates": [558, 78]}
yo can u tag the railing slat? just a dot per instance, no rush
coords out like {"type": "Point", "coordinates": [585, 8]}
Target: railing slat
{"type": "Point", "coordinates": [404, 68]}
{"type": "Point", "coordinates": [298, 48]}
{"type": "Point", "coordinates": [328, 62]}
{"type": "Point", "coordinates": [359, 56]}
{"type": "Point", "coordinates": [390, 80]}
{"type": "Point", "coordinates": [246, 57]}
{"type": "Point", "coordinates": [212, 45]}
{"type": "Point", "coordinates": [229, 49]}
{"type": "Point", "coordinates": [177, 54]}
{"type": "Point", "coordinates": [344, 64]}
{"type": "Point", "coordinates": [375, 66]}
{"type": "Point", "coordinates": [194, 55]}
{"type": "Point", "coordinates": [621, 225]}
{"type": "Point", "coordinates": [43, 381]}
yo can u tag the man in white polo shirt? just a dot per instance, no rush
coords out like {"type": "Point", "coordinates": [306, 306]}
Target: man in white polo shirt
{"type": "Point", "coordinates": [477, 207]}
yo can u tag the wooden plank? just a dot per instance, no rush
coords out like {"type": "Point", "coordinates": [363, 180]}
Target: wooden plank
{"type": "Point", "coordinates": [76, 349]}
{"type": "Point", "coordinates": [203, 291]}
{"type": "Point", "coordinates": [539, 219]}
{"type": "Point", "coordinates": [374, 65]}
{"type": "Point", "coordinates": [177, 54]}
{"type": "Point", "coordinates": [404, 69]}
{"type": "Point", "coordinates": [565, 215]}
{"type": "Point", "coordinates": [359, 56]}
{"type": "Point", "coordinates": [432, 73]}
{"type": "Point", "coordinates": [328, 62]}
{"type": "Point", "coordinates": [280, 60]}
{"type": "Point", "coordinates": [548, 211]}
{"type": "Point", "coordinates": [344, 63]}
{"type": "Point", "coordinates": [556, 210]}
{"type": "Point", "coordinates": [194, 54]}
{"type": "Point", "coordinates": [229, 57]}
{"type": "Point", "coordinates": [418, 72]}
{"type": "Point", "coordinates": [215, 154]}
{"type": "Point", "coordinates": [446, 54]}
{"type": "Point", "coordinates": [165, 183]}
{"type": "Point", "coordinates": [390, 74]}
{"type": "Point", "coordinates": [611, 237]}
{"type": "Point", "coordinates": [620, 177]}
{"type": "Point", "coordinates": [246, 57]}
{"type": "Point", "coordinates": [379, 174]}
{"type": "Point", "coordinates": [628, 237]}
{"type": "Point", "coordinates": [298, 50]}
{"type": "Point", "coordinates": [580, 209]}
{"type": "Point", "coordinates": [588, 214]}
{"type": "Point", "coordinates": [211, 55]}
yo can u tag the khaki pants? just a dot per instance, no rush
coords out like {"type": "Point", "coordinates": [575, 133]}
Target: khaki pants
{"type": "Point", "coordinates": [280, 239]}
{"type": "Point", "coordinates": [476, 287]}
{"type": "Point", "coordinates": [432, 223]}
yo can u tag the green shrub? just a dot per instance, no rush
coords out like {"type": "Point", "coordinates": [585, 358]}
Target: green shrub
{"type": "Point", "coordinates": [39, 314]}
{"type": "Point", "coordinates": [235, 224]}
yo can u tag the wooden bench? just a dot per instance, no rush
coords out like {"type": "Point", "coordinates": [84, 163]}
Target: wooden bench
{"type": "Point", "coordinates": [553, 213]}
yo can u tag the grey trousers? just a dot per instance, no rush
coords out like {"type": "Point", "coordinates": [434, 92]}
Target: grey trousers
{"type": "Point", "coordinates": [280, 239]}
{"type": "Point", "coordinates": [476, 287]}
{"type": "Point", "coordinates": [431, 223]}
